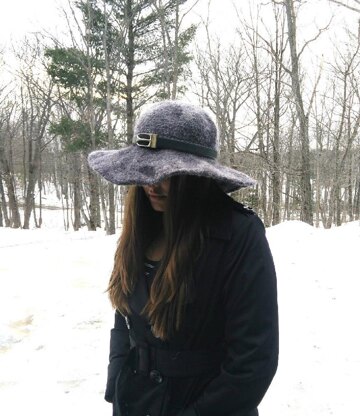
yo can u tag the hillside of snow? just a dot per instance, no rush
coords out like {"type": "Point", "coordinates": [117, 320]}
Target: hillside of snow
{"type": "Point", "coordinates": [55, 320]}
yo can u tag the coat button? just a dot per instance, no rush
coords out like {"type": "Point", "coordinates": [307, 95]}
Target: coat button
{"type": "Point", "coordinates": [156, 376]}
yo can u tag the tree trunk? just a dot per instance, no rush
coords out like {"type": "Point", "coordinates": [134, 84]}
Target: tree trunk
{"type": "Point", "coordinates": [111, 226]}
{"type": "Point", "coordinates": [166, 60]}
{"type": "Point", "coordinates": [130, 64]}
{"type": "Point", "coordinates": [262, 204]}
{"type": "Point", "coordinates": [318, 189]}
{"type": "Point", "coordinates": [305, 181]}
{"type": "Point", "coordinates": [103, 207]}
{"type": "Point", "coordinates": [94, 200]}
{"type": "Point", "coordinates": [76, 182]}
{"type": "Point", "coordinates": [176, 53]}
{"type": "Point", "coordinates": [350, 191]}
{"type": "Point", "coordinates": [33, 170]}
{"type": "Point", "coordinates": [3, 208]}
{"type": "Point", "coordinates": [289, 176]}
{"type": "Point", "coordinates": [357, 200]}
{"type": "Point", "coordinates": [94, 192]}
{"type": "Point", "coordinates": [8, 177]}
{"type": "Point", "coordinates": [276, 165]}
{"type": "Point", "coordinates": [40, 194]}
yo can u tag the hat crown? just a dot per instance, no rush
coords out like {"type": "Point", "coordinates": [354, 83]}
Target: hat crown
{"type": "Point", "coordinates": [186, 138]}
{"type": "Point", "coordinates": [178, 120]}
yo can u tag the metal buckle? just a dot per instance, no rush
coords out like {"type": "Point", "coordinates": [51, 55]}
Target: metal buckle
{"type": "Point", "coordinates": [146, 140]}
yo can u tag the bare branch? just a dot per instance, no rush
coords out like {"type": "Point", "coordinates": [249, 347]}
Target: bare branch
{"type": "Point", "coordinates": [186, 12]}
{"type": "Point", "coordinates": [340, 3]}
{"type": "Point", "coordinates": [315, 38]}
{"type": "Point", "coordinates": [313, 95]}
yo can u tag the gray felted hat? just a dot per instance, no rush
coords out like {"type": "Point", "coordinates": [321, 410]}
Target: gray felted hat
{"type": "Point", "coordinates": [170, 138]}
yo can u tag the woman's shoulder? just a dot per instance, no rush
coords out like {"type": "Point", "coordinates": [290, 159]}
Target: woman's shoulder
{"type": "Point", "coordinates": [230, 218]}
{"type": "Point", "coordinates": [240, 208]}
{"type": "Point", "coordinates": [244, 221]}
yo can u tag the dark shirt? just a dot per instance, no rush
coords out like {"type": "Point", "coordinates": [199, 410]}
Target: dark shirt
{"type": "Point", "coordinates": [150, 268]}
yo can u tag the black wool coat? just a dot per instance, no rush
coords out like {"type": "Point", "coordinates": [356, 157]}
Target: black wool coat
{"type": "Point", "coordinates": [233, 310]}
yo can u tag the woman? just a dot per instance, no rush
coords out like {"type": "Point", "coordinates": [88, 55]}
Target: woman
{"type": "Point", "coordinates": [193, 284]}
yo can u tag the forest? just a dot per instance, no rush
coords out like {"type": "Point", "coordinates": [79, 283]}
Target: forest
{"type": "Point", "coordinates": [286, 116]}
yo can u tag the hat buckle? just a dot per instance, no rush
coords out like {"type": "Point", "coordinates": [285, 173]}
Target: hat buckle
{"type": "Point", "coordinates": [147, 140]}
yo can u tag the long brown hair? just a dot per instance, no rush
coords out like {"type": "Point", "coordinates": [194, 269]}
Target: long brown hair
{"type": "Point", "coordinates": [183, 226]}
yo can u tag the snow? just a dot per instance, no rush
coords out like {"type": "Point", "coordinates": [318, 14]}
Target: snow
{"type": "Point", "coordinates": [318, 284]}
{"type": "Point", "coordinates": [55, 320]}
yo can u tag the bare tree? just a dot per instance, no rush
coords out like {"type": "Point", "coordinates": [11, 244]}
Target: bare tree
{"type": "Point", "coordinates": [36, 104]}
{"type": "Point", "coordinates": [110, 228]}
{"type": "Point", "coordinates": [303, 116]}
{"type": "Point", "coordinates": [173, 36]}
{"type": "Point", "coordinates": [266, 53]}
{"type": "Point", "coordinates": [348, 127]}
{"type": "Point", "coordinates": [8, 129]}
{"type": "Point", "coordinates": [224, 88]}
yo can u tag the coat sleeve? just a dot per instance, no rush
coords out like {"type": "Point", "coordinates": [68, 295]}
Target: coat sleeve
{"type": "Point", "coordinates": [251, 327]}
{"type": "Point", "coordinates": [119, 349]}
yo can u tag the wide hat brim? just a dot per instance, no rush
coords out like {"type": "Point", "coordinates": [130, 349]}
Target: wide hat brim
{"type": "Point", "coordinates": [136, 165]}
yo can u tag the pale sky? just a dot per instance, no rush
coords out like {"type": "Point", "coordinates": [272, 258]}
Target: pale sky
{"type": "Point", "coordinates": [20, 17]}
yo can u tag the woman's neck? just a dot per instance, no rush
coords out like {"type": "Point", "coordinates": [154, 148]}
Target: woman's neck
{"type": "Point", "coordinates": [156, 249]}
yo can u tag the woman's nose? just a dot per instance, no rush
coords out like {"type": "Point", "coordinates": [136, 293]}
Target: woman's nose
{"type": "Point", "coordinates": [155, 187]}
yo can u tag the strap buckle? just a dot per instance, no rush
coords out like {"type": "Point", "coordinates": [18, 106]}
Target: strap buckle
{"type": "Point", "coordinates": [147, 140]}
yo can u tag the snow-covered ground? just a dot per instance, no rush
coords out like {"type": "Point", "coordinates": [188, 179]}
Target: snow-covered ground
{"type": "Point", "coordinates": [55, 321]}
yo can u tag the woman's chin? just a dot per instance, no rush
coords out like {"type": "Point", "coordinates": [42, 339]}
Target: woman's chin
{"type": "Point", "coordinates": [158, 205]}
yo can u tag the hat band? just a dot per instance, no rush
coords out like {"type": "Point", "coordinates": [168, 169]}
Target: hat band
{"type": "Point", "coordinates": [153, 141]}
